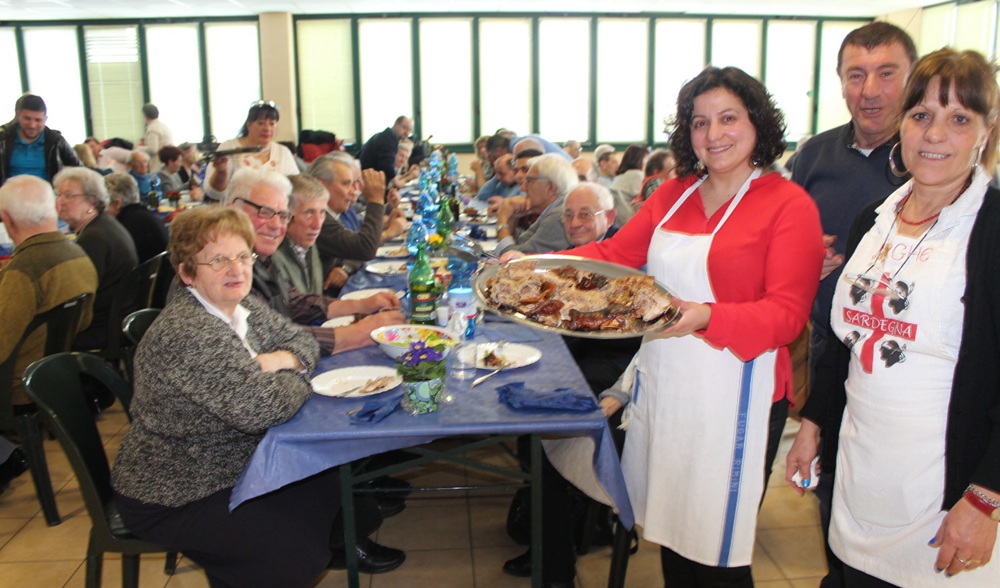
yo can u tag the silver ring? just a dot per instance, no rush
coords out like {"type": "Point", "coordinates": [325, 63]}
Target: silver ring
{"type": "Point", "coordinates": [960, 560]}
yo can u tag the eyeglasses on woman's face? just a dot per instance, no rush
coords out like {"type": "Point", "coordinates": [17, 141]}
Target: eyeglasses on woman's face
{"type": "Point", "coordinates": [222, 263]}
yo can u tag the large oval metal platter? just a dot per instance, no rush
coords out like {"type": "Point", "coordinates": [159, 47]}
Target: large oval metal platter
{"type": "Point", "coordinates": [545, 263]}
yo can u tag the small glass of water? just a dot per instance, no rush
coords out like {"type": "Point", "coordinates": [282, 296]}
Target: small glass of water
{"type": "Point", "coordinates": [463, 360]}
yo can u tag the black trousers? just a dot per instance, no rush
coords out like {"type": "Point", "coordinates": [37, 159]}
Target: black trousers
{"type": "Point", "coordinates": [855, 578]}
{"type": "Point", "coordinates": [282, 539]}
{"type": "Point", "coordinates": [680, 572]}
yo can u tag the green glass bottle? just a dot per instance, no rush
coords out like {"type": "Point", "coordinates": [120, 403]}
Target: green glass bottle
{"type": "Point", "coordinates": [446, 219]}
{"type": "Point", "coordinates": [423, 290]}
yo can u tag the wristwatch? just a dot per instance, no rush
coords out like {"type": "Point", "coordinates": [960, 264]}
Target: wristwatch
{"type": "Point", "coordinates": [983, 503]}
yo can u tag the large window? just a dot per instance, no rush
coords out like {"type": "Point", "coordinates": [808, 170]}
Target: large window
{"type": "Point", "coordinates": [386, 73]}
{"type": "Point", "coordinates": [790, 73]}
{"type": "Point", "coordinates": [622, 74]}
{"type": "Point", "coordinates": [51, 55]}
{"type": "Point", "coordinates": [563, 78]}
{"type": "Point", "coordinates": [326, 77]}
{"type": "Point", "coordinates": [175, 81]}
{"type": "Point", "coordinates": [937, 27]}
{"type": "Point", "coordinates": [446, 79]}
{"type": "Point", "coordinates": [831, 111]}
{"type": "Point", "coordinates": [678, 59]}
{"type": "Point", "coordinates": [233, 55]}
{"type": "Point", "coordinates": [505, 75]}
{"type": "Point", "coordinates": [114, 81]}
{"type": "Point", "coordinates": [10, 90]}
{"type": "Point", "coordinates": [737, 43]}
{"type": "Point", "coordinates": [974, 26]}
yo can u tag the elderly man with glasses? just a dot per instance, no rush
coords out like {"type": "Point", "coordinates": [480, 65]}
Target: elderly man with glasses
{"type": "Point", "coordinates": [546, 185]}
{"type": "Point", "coordinates": [263, 195]}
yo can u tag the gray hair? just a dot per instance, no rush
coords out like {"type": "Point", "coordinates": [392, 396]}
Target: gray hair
{"type": "Point", "coordinates": [605, 200]}
{"type": "Point", "coordinates": [528, 143]}
{"type": "Point", "coordinates": [346, 158]}
{"type": "Point", "coordinates": [28, 199]}
{"type": "Point", "coordinates": [91, 182]}
{"type": "Point", "coordinates": [122, 186]}
{"type": "Point", "coordinates": [322, 167]}
{"type": "Point", "coordinates": [406, 145]}
{"type": "Point", "coordinates": [306, 188]}
{"type": "Point", "coordinates": [556, 169]}
{"type": "Point", "coordinates": [244, 180]}
{"type": "Point", "coordinates": [133, 153]}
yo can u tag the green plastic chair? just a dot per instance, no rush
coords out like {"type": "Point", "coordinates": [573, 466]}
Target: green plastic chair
{"type": "Point", "coordinates": [134, 327]}
{"type": "Point", "coordinates": [61, 325]}
{"type": "Point", "coordinates": [54, 384]}
{"type": "Point", "coordinates": [134, 292]}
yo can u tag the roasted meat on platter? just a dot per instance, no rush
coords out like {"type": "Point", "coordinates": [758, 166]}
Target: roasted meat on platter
{"type": "Point", "coordinates": [579, 300]}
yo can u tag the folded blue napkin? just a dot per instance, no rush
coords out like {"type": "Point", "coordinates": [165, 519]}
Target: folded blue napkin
{"type": "Point", "coordinates": [518, 397]}
{"type": "Point", "coordinates": [478, 233]}
{"type": "Point", "coordinates": [376, 409]}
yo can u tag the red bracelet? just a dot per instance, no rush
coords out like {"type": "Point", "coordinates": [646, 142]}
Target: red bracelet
{"type": "Point", "coordinates": [983, 503]}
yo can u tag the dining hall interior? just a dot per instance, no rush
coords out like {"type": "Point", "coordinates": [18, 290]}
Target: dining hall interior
{"type": "Point", "coordinates": [597, 73]}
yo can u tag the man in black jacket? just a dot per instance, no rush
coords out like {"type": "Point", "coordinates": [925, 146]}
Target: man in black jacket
{"type": "Point", "coordinates": [379, 152]}
{"type": "Point", "coordinates": [29, 147]}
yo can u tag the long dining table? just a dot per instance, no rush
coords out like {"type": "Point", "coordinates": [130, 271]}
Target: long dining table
{"type": "Point", "coordinates": [322, 435]}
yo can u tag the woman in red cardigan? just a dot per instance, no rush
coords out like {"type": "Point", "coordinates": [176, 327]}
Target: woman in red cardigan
{"type": "Point", "coordinates": [740, 248]}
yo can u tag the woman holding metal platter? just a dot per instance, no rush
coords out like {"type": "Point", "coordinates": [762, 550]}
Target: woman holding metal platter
{"type": "Point", "coordinates": [740, 248]}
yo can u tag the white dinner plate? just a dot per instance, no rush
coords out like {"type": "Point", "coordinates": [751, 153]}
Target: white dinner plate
{"type": "Point", "coordinates": [516, 354]}
{"type": "Point", "coordinates": [340, 321]}
{"type": "Point", "coordinates": [346, 381]}
{"type": "Point", "coordinates": [359, 294]}
{"type": "Point", "coordinates": [392, 252]}
{"type": "Point", "coordinates": [387, 268]}
{"type": "Point", "coordinates": [488, 245]}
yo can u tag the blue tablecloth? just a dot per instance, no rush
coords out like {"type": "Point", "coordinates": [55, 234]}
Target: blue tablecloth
{"type": "Point", "coordinates": [321, 436]}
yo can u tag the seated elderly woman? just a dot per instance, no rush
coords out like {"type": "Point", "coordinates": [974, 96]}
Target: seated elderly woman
{"type": "Point", "coordinates": [173, 159]}
{"type": "Point", "coordinates": [199, 416]}
{"type": "Point", "coordinates": [81, 200]}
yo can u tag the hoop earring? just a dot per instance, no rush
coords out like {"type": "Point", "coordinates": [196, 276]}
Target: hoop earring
{"type": "Point", "coordinates": [898, 169]}
{"type": "Point", "coordinates": [982, 150]}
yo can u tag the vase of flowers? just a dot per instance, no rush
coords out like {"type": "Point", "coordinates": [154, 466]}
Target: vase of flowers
{"type": "Point", "coordinates": [422, 368]}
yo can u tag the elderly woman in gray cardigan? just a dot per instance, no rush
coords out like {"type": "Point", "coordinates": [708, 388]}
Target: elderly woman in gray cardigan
{"type": "Point", "coordinates": [214, 371]}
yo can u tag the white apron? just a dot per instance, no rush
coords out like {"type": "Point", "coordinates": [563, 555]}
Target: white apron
{"type": "Point", "coordinates": [904, 339]}
{"type": "Point", "coordinates": [694, 453]}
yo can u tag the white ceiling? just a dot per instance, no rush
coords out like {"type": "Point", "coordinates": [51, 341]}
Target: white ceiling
{"type": "Point", "coordinates": [21, 10]}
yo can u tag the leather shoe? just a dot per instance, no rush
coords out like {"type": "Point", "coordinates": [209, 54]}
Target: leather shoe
{"type": "Point", "coordinates": [520, 566]}
{"type": "Point", "coordinates": [15, 465]}
{"type": "Point", "coordinates": [372, 558]}
{"type": "Point", "coordinates": [388, 505]}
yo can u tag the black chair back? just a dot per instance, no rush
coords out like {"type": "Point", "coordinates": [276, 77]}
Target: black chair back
{"type": "Point", "coordinates": [134, 327]}
{"type": "Point", "coordinates": [54, 385]}
{"type": "Point", "coordinates": [134, 292]}
{"type": "Point", "coordinates": [61, 325]}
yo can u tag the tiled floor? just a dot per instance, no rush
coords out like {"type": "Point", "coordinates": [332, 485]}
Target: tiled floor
{"type": "Point", "coordinates": [451, 540]}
